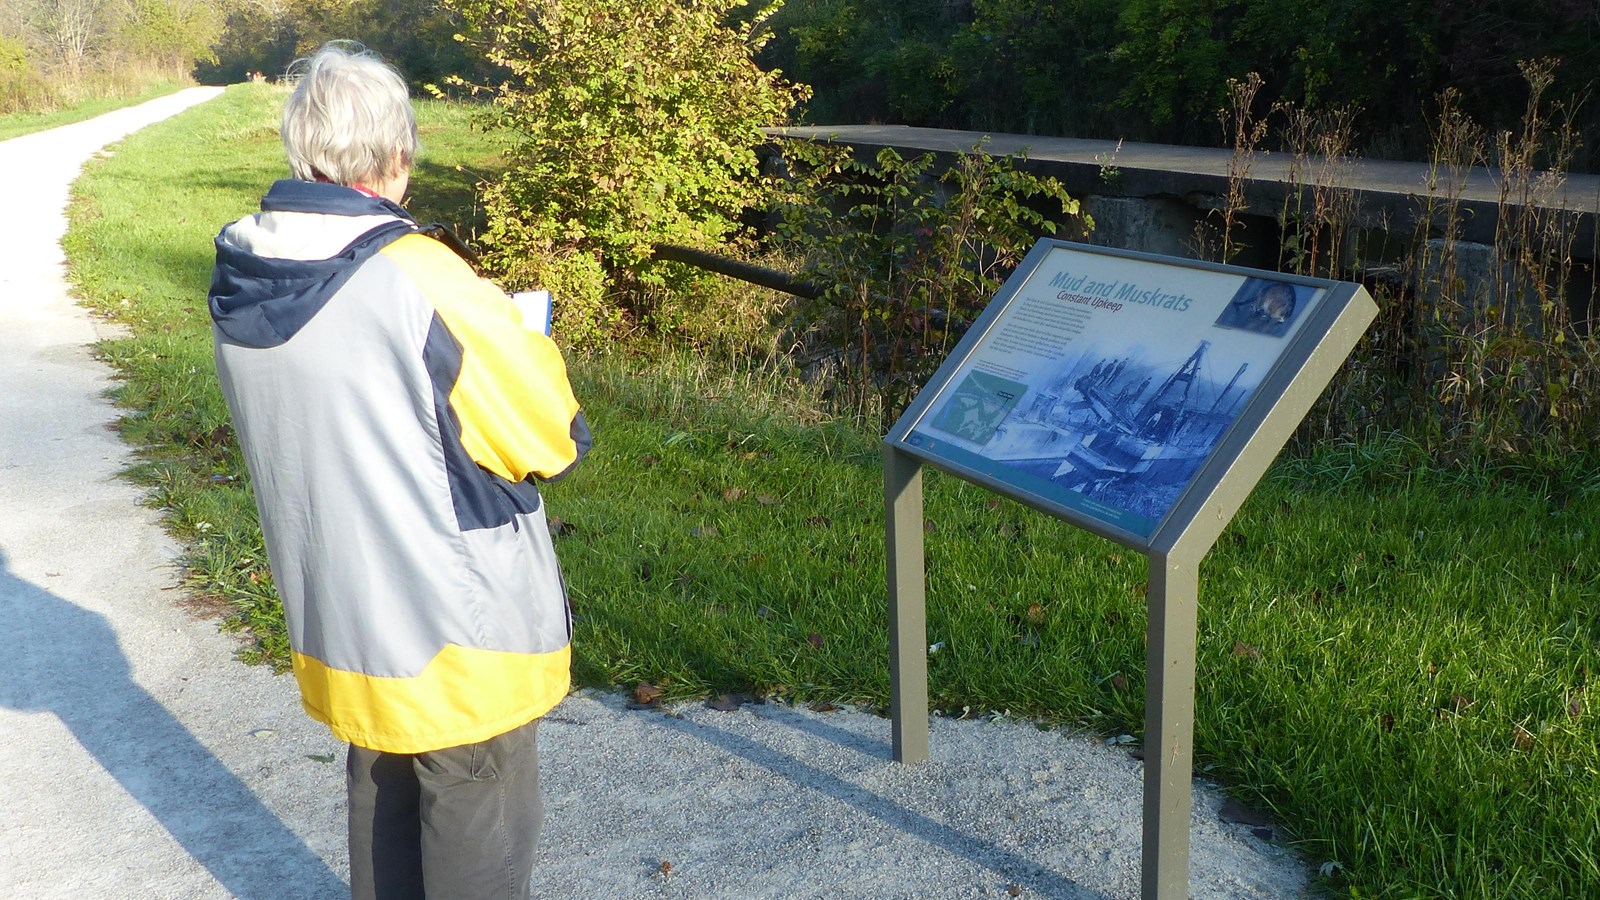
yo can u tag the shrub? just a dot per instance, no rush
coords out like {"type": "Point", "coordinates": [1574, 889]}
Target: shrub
{"type": "Point", "coordinates": [23, 88]}
{"type": "Point", "coordinates": [632, 123]}
{"type": "Point", "coordinates": [907, 257]}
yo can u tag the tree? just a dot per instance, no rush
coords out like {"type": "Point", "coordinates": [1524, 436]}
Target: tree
{"type": "Point", "coordinates": [1039, 66]}
{"type": "Point", "coordinates": [71, 29]}
{"type": "Point", "coordinates": [257, 36]}
{"type": "Point", "coordinates": [175, 34]}
{"type": "Point", "coordinates": [883, 60]}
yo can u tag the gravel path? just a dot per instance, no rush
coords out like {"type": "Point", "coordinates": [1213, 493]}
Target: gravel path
{"type": "Point", "coordinates": [143, 761]}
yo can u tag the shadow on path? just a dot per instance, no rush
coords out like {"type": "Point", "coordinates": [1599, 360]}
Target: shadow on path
{"type": "Point", "coordinates": [59, 658]}
{"type": "Point", "coordinates": [1006, 863]}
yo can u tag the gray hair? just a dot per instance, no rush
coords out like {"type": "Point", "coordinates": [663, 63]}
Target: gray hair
{"type": "Point", "coordinates": [349, 117]}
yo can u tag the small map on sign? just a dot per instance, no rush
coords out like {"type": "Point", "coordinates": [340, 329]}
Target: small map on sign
{"type": "Point", "coordinates": [978, 407]}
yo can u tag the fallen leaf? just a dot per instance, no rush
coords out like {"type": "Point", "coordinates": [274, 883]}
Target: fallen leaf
{"type": "Point", "coordinates": [1119, 682]}
{"type": "Point", "coordinates": [559, 527]}
{"type": "Point", "coordinates": [645, 571]}
{"type": "Point", "coordinates": [732, 494]}
{"type": "Point", "coordinates": [1007, 530]}
{"type": "Point", "coordinates": [665, 868]}
{"type": "Point", "coordinates": [263, 732]}
{"type": "Point", "coordinates": [1386, 722]}
{"type": "Point", "coordinates": [1461, 702]}
{"type": "Point", "coordinates": [646, 693]}
{"type": "Point", "coordinates": [1014, 890]}
{"type": "Point", "coordinates": [1235, 813]}
{"type": "Point", "coordinates": [648, 460]}
{"type": "Point", "coordinates": [726, 702]}
{"type": "Point", "coordinates": [320, 757]}
{"type": "Point", "coordinates": [928, 527]}
{"type": "Point", "coordinates": [1035, 614]}
{"type": "Point", "coordinates": [1523, 738]}
{"type": "Point", "coordinates": [815, 640]}
{"type": "Point", "coordinates": [822, 706]}
{"type": "Point", "coordinates": [1575, 705]}
{"type": "Point", "coordinates": [993, 505]}
{"type": "Point", "coordinates": [1245, 651]}
{"type": "Point", "coordinates": [703, 531]}
{"type": "Point", "coordinates": [819, 522]}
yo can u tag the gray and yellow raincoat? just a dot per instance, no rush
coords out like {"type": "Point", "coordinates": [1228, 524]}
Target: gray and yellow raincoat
{"type": "Point", "coordinates": [394, 415]}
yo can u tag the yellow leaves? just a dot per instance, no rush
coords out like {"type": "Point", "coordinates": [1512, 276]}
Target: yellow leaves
{"type": "Point", "coordinates": [1522, 738]}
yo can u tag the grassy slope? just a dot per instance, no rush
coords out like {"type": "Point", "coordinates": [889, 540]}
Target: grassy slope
{"type": "Point", "coordinates": [18, 124]}
{"type": "Point", "coordinates": [1392, 657]}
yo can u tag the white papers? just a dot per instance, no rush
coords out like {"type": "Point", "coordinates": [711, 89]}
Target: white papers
{"type": "Point", "coordinates": [534, 307]}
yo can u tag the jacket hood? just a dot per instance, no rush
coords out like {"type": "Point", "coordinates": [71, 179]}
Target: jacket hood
{"type": "Point", "coordinates": [277, 268]}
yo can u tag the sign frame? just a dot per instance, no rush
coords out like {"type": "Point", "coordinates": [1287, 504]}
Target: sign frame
{"type": "Point", "coordinates": [1174, 546]}
{"type": "Point", "coordinates": [1323, 315]}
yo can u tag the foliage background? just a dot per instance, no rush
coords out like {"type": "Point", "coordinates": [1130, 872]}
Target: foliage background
{"type": "Point", "coordinates": [54, 53]}
{"type": "Point", "coordinates": [1157, 70]}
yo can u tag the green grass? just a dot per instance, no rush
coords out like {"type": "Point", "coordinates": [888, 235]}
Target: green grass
{"type": "Point", "coordinates": [21, 123]}
{"type": "Point", "coordinates": [1393, 658]}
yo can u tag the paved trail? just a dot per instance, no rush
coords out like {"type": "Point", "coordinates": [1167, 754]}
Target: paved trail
{"type": "Point", "coordinates": [143, 761]}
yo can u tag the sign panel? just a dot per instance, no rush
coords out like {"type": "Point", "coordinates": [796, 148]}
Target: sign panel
{"type": "Point", "coordinates": [1102, 383]}
{"type": "Point", "coordinates": [1139, 397]}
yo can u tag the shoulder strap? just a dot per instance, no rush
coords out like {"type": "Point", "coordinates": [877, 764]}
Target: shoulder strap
{"type": "Point", "coordinates": [448, 238]}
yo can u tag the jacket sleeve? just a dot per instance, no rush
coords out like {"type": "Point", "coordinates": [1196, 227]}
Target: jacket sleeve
{"type": "Point", "coordinates": [516, 410]}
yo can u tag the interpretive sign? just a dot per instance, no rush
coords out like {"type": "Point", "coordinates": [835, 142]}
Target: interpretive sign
{"type": "Point", "coordinates": [1101, 384]}
{"type": "Point", "coordinates": [1141, 398]}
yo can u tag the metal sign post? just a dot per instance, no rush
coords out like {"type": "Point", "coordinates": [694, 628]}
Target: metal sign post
{"type": "Point", "coordinates": [1140, 398]}
{"type": "Point", "coordinates": [1173, 596]}
{"type": "Point", "coordinates": [908, 615]}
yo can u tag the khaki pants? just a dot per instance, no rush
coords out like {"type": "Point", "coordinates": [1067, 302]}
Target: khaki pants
{"type": "Point", "coordinates": [462, 822]}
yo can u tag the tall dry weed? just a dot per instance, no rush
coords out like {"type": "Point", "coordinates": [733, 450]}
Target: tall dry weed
{"type": "Point", "coordinates": [1476, 352]}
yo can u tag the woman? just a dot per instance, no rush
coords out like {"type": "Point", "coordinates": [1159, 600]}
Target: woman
{"type": "Point", "coordinates": [394, 416]}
